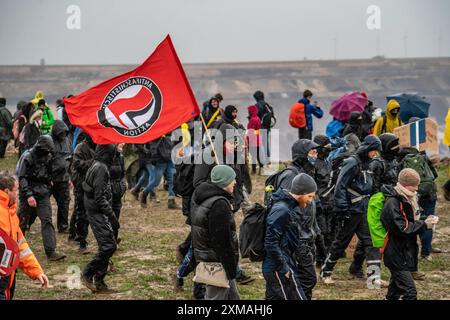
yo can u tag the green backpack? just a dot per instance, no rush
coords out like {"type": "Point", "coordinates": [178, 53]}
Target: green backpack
{"type": "Point", "coordinates": [420, 164]}
{"type": "Point", "coordinates": [377, 231]}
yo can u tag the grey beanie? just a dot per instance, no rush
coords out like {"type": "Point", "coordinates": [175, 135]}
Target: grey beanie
{"type": "Point", "coordinates": [222, 175]}
{"type": "Point", "coordinates": [303, 184]}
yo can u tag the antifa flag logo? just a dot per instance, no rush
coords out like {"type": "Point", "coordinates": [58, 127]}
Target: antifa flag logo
{"type": "Point", "coordinates": [132, 107]}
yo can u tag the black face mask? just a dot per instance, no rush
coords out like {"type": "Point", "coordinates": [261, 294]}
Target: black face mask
{"type": "Point", "coordinates": [395, 112]}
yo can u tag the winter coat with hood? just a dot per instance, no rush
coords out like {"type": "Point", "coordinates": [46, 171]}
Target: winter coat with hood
{"type": "Point", "coordinates": [323, 171]}
{"type": "Point", "coordinates": [32, 129]}
{"type": "Point", "coordinates": [253, 127]}
{"type": "Point", "coordinates": [62, 155]}
{"type": "Point", "coordinates": [355, 177]}
{"type": "Point", "coordinates": [354, 125]}
{"type": "Point", "coordinates": [447, 129]}
{"type": "Point", "coordinates": [6, 121]}
{"type": "Point", "coordinates": [97, 184]}
{"type": "Point", "coordinates": [34, 169]}
{"type": "Point", "coordinates": [214, 237]}
{"type": "Point", "coordinates": [392, 121]}
{"type": "Point", "coordinates": [265, 111]}
{"type": "Point", "coordinates": [209, 112]}
{"type": "Point", "coordinates": [311, 110]}
{"type": "Point", "coordinates": [401, 250]}
{"type": "Point", "coordinates": [48, 119]}
{"type": "Point", "coordinates": [83, 157]}
{"type": "Point", "coordinates": [284, 240]}
{"type": "Point", "coordinates": [117, 174]}
{"type": "Point", "coordinates": [385, 168]}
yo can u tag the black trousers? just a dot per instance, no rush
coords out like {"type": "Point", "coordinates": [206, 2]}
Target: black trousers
{"type": "Point", "coordinates": [278, 287]}
{"type": "Point", "coordinates": [305, 133]}
{"type": "Point", "coordinates": [356, 224]}
{"type": "Point", "coordinates": [3, 145]}
{"type": "Point", "coordinates": [104, 234]}
{"type": "Point", "coordinates": [27, 215]}
{"type": "Point", "coordinates": [307, 271]}
{"type": "Point", "coordinates": [60, 191]}
{"type": "Point", "coordinates": [79, 225]}
{"type": "Point", "coordinates": [401, 285]}
{"type": "Point", "coordinates": [116, 205]}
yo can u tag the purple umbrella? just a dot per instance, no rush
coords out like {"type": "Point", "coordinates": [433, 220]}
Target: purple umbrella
{"type": "Point", "coordinates": [343, 107]}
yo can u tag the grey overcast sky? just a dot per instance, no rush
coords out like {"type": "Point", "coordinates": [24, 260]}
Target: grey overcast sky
{"type": "Point", "coordinates": [125, 32]}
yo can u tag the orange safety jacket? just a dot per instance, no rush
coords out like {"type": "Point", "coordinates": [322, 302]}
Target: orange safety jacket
{"type": "Point", "coordinates": [9, 223]}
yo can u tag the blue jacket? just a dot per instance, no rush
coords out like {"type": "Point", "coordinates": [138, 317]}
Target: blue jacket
{"type": "Point", "coordinates": [310, 111]}
{"type": "Point", "coordinates": [282, 239]}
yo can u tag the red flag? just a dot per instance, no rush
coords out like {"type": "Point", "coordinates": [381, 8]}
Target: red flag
{"type": "Point", "coordinates": [138, 106]}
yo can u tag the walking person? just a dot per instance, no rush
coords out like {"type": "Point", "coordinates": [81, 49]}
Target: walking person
{"type": "Point", "coordinates": [310, 110]}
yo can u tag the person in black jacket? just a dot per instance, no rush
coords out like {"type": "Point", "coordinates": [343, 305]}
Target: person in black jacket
{"type": "Point", "coordinates": [288, 256]}
{"type": "Point", "coordinates": [118, 184]}
{"type": "Point", "coordinates": [214, 235]}
{"type": "Point", "coordinates": [354, 125]}
{"type": "Point", "coordinates": [6, 124]}
{"type": "Point", "coordinates": [101, 217]}
{"type": "Point", "coordinates": [267, 116]}
{"type": "Point", "coordinates": [62, 158]}
{"type": "Point", "coordinates": [34, 173]}
{"type": "Point", "coordinates": [367, 120]}
{"type": "Point", "coordinates": [400, 217]}
{"type": "Point", "coordinates": [353, 189]}
{"type": "Point", "coordinates": [83, 157]}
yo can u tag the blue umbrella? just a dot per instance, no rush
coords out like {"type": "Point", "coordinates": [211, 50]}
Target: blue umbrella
{"type": "Point", "coordinates": [411, 105]}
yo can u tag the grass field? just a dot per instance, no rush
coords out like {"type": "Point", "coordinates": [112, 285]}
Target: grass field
{"type": "Point", "coordinates": [145, 262]}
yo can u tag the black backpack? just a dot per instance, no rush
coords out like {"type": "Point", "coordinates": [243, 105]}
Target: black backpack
{"type": "Point", "coordinates": [182, 182]}
{"type": "Point", "coordinates": [273, 183]}
{"type": "Point", "coordinates": [268, 119]}
{"type": "Point", "coordinates": [253, 232]}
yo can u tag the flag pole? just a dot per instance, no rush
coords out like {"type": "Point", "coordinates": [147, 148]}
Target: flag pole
{"type": "Point", "coordinates": [209, 138]}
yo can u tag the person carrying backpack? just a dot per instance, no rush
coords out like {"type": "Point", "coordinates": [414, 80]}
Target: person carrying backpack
{"type": "Point", "coordinates": [390, 120]}
{"type": "Point", "coordinates": [267, 117]}
{"type": "Point", "coordinates": [283, 241]}
{"type": "Point", "coordinates": [401, 220]}
{"type": "Point", "coordinates": [309, 111]}
{"type": "Point", "coordinates": [354, 187]}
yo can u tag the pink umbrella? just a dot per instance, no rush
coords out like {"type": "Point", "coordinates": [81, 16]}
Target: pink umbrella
{"type": "Point", "coordinates": [343, 107]}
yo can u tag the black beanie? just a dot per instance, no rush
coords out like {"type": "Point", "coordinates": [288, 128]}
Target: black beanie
{"type": "Point", "coordinates": [303, 184]}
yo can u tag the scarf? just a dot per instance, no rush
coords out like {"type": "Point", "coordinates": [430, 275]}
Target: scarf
{"type": "Point", "coordinates": [411, 197]}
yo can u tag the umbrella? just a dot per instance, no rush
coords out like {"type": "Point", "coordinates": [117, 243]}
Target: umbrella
{"type": "Point", "coordinates": [411, 105]}
{"type": "Point", "coordinates": [343, 107]}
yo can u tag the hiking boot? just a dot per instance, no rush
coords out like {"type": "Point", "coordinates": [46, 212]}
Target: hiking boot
{"type": "Point", "coordinates": [88, 283]}
{"type": "Point", "coordinates": [242, 278]}
{"type": "Point", "coordinates": [427, 258]}
{"type": "Point", "coordinates": [143, 201]}
{"type": "Point", "coordinates": [153, 198]}
{"type": "Point", "coordinates": [435, 250]}
{"type": "Point", "coordinates": [102, 288]}
{"type": "Point", "coordinates": [135, 194]}
{"type": "Point", "coordinates": [418, 276]}
{"type": "Point", "coordinates": [356, 272]}
{"type": "Point", "coordinates": [54, 256]}
{"type": "Point", "coordinates": [178, 284]}
{"type": "Point", "coordinates": [83, 250]}
{"type": "Point", "coordinates": [172, 205]}
{"type": "Point", "coordinates": [327, 280]}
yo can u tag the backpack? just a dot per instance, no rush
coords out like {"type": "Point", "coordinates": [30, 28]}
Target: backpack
{"type": "Point", "coordinates": [266, 121]}
{"type": "Point", "coordinates": [20, 135]}
{"type": "Point", "coordinates": [378, 233]}
{"type": "Point", "coordinates": [272, 184]}
{"type": "Point", "coordinates": [182, 181]}
{"type": "Point", "coordinates": [334, 129]}
{"type": "Point", "coordinates": [297, 116]}
{"type": "Point", "coordinates": [419, 163]}
{"type": "Point", "coordinates": [252, 233]}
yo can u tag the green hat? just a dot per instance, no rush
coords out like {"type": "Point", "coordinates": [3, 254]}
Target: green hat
{"type": "Point", "coordinates": [222, 175]}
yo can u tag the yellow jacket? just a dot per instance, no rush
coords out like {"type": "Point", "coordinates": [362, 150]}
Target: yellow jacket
{"type": "Point", "coordinates": [392, 122]}
{"type": "Point", "coordinates": [447, 129]}
{"type": "Point", "coordinates": [9, 222]}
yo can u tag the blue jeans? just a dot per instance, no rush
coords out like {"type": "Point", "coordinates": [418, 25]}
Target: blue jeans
{"type": "Point", "coordinates": [428, 207]}
{"type": "Point", "coordinates": [155, 178]}
{"type": "Point", "coordinates": [145, 177]}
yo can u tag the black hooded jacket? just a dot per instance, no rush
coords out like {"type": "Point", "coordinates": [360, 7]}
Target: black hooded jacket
{"type": "Point", "coordinates": [117, 174]}
{"type": "Point", "coordinates": [83, 157]}
{"type": "Point", "coordinates": [97, 184]}
{"type": "Point", "coordinates": [214, 237]}
{"type": "Point", "coordinates": [401, 251]}
{"type": "Point", "coordinates": [265, 111]}
{"type": "Point", "coordinates": [386, 168]}
{"type": "Point", "coordinates": [34, 169]}
{"type": "Point", "coordinates": [355, 177]}
{"type": "Point", "coordinates": [354, 125]}
{"type": "Point", "coordinates": [62, 155]}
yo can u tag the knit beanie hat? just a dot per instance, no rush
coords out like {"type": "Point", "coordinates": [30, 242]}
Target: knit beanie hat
{"type": "Point", "coordinates": [303, 184]}
{"type": "Point", "coordinates": [222, 175]}
{"type": "Point", "coordinates": [409, 177]}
